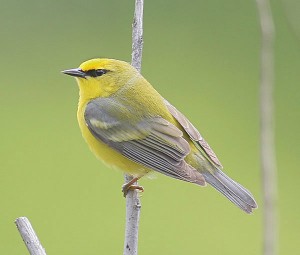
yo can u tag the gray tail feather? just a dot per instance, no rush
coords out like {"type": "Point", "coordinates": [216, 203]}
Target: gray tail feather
{"type": "Point", "coordinates": [235, 192]}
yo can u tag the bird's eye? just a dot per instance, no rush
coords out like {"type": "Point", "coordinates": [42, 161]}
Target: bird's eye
{"type": "Point", "coordinates": [96, 72]}
{"type": "Point", "coordinates": [100, 72]}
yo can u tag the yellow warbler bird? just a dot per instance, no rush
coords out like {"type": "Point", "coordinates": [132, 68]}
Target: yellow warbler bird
{"type": "Point", "coordinates": [129, 125]}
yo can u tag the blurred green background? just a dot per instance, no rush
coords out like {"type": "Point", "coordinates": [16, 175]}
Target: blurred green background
{"type": "Point", "coordinates": [203, 56]}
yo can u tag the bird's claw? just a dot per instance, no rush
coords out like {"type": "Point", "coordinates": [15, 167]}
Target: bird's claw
{"type": "Point", "coordinates": [126, 188]}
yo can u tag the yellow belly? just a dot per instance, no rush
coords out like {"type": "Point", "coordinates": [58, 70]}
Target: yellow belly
{"type": "Point", "coordinates": [105, 153]}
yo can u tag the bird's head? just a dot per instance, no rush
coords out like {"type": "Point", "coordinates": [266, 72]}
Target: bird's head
{"type": "Point", "coordinates": [102, 77]}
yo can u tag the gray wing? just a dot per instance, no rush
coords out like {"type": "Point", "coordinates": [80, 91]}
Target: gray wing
{"type": "Point", "coordinates": [193, 133]}
{"type": "Point", "coordinates": [152, 141]}
{"type": "Point", "coordinates": [235, 192]}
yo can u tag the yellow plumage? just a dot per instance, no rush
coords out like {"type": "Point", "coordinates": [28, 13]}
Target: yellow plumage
{"type": "Point", "coordinates": [90, 89]}
{"type": "Point", "coordinates": [129, 125]}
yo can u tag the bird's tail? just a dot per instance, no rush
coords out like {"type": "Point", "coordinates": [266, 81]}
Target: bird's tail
{"type": "Point", "coordinates": [235, 192]}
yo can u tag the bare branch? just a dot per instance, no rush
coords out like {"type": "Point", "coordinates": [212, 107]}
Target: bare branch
{"type": "Point", "coordinates": [133, 208]}
{"type": "Point", "coordinates": [137, 35]}
{"type": "Point", "coordinates": [268, 159]}
{"type": "Point", "coordinates": [29, 237]}
{"type": "Point", "coordinates": [133, 205]}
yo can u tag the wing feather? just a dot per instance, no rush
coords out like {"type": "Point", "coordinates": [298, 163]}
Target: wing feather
{"type": "Point", "coordinates": [193, 133]}
{"type": "Point", "coordinates": [152, 141]}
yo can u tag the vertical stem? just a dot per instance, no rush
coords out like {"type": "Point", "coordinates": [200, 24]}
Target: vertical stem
{"type": "Point", "coordinates": [137, 35]}
{"type": "Point", "coordinates": [133, 208]}
{"type": "Point", "coordinates": [268, 160]}
{"type": "Point", "coordinates": [133, 205]}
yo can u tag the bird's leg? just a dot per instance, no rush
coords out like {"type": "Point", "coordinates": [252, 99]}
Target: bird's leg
{"type": "Point", "coordinates": [130, 186]}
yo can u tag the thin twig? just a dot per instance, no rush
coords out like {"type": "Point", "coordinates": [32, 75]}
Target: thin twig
{"type": "Point", "coordinates": [137, 35]}
{"type": "Point", "coordinates": [133, 204]}
{"type": "Point", "coordinates": [29, 237]}
{"type": "Point", "coordinates": [268, 159]}
{"type": "Point", "coordinates": [133, 207]}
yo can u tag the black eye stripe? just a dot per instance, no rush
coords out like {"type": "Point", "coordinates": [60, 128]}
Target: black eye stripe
{"type": "Point", "coordinates": [96, 72]}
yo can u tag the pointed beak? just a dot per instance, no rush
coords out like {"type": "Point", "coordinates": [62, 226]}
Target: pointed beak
{"type": "Point", "coordinates": [76, 72]}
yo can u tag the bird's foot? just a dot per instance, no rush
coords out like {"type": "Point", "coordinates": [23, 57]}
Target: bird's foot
{"type": "Point", "coordinates": [131, 186]}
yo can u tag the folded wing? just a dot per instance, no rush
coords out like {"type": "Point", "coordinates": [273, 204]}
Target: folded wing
{"type": "Point", "coordinates": [150, 141]}
{"type": "Point", "coordinates": [193, 133]}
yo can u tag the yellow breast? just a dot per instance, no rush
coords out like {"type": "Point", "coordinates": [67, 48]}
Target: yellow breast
{"type": "Point", "coordinates": [105, 153]}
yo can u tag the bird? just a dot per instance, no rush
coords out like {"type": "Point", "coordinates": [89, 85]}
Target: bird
{"type": "Point", "coordinates": [128, 125]}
